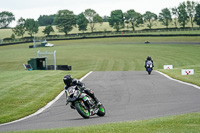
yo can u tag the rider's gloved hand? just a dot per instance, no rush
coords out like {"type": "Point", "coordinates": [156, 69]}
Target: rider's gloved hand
{"type": "Point", "coordinates": [82, 89]}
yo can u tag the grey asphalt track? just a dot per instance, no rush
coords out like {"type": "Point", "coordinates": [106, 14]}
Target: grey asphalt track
{"type": "Point", "coordinates": [126, 95]}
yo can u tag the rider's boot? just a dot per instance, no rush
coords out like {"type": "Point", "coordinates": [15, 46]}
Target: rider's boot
{"type": "Point", "coordinates": [97, 101]}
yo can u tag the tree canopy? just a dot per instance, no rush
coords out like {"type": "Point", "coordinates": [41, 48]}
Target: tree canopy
{"type": "Point", "coordinates": [149, 17]}
{"type": "Point", "coordinates": [31, 26]}
{"type": "Point", "coordinates": [92, 18]}
{"type": "Point", "coordinates": [82, 22]}
{"type": "Point", "coordinates": [45, 20]}
{"type": "Point", "coordinates": [20, 29]}
{"type": "Point", "coordinates": [165, 17]}
{"type": "Point", "coordinates": [6, 18]}
{"type": "Point", "coordinates": [134, 18]}
{"type": "Point", "coordinates": [190, 5]}
{"type": "Point", "coordinates": [48, 29]}
{"type": "Point", "coordinates": [175, 14]}
{"type": "Point", "coordinates": [182, 14]}
{"type": "Point", "coordinates": [65, 20]}
{"type": "Point", "coordinates": [116, 19]}
{"type": "Point", "coordinates": [197, 15]}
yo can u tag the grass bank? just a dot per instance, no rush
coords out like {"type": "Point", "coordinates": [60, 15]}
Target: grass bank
{"type": "Point", "coordinates": [25, 92]}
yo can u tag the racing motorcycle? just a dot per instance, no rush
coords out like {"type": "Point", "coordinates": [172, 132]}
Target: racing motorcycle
{"type": "Point", "coordinates": [149, 66]}
{"type": "Point", "coordinates": [83, 103]}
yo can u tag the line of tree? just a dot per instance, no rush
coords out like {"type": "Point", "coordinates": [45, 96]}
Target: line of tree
{"type": "Point", "coordinates": [66, 20]}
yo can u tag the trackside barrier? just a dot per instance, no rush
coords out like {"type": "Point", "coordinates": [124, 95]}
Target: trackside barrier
{"type": "Point", "coordinates": [158, 32]}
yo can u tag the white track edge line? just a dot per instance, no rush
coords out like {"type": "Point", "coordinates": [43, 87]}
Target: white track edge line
{"type": "Point", "coordinates": [190, 84]}
{"type": "Point", "coordinates": [46, 106]}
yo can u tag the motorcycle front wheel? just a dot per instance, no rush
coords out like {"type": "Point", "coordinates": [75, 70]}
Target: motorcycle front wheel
{"type": "Point", "coordinates": [82, 111]}
{"type": "Point", "coordinates": [149, 71]}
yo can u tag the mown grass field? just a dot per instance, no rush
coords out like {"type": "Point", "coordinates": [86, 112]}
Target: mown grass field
{"type": "Point", "coordinates": [23, 92]}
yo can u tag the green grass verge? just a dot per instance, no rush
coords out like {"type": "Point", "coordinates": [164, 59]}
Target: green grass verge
{"type": "Point", "coordinates": [187, 123]}
{"type": "Point", "coordinates": [23, 92]}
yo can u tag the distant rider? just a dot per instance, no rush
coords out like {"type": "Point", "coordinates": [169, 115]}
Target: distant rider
{"type": "Point", "coordinates": [69, 81]}
{"type": "Point", "coordinates": [148, 59]}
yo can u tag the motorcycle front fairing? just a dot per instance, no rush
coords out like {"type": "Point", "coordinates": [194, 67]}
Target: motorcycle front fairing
{"type": "Point", "coordinates": [149, 64]}
{"type": "Point", "coordinates": [73, 94]}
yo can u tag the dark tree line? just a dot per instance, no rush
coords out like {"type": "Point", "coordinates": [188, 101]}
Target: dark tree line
{"type": "Point", "coordinates": [66, 20]}
{"type": "Point", "coordinates": [45, 20]}
{"type": "Point", "coordinates": [29, 25]}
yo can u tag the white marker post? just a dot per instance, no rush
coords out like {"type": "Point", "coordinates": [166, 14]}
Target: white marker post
{"type": "Point", "coordinates": [168, 66]}
{"type": "Point", "coordinates": [187, 71]}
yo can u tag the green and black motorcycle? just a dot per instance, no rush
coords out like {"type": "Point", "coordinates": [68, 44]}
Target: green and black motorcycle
{"type": "Point", "coordinates": [83, 103]}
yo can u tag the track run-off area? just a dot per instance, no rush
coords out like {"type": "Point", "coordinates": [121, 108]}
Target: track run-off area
{"type": "Point", "coordinates": [126, 95]}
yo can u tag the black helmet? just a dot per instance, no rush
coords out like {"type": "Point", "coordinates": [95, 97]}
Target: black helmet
{"type": "Point", "coordinates": [149, 58]}
{"type": "Point", "coordinates": [67, 80]}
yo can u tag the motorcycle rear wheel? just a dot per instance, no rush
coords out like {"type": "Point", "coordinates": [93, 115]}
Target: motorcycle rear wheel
{"type": "Point", "coordinates": [101, 111]}
{"type": "Point", "coordinates": [82, 111]}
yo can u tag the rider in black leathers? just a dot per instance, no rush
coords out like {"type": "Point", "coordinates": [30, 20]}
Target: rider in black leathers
{"type": "Point", "coordinates": [69, 81]}
{"type": "Point", "coordinates": [148, 59]}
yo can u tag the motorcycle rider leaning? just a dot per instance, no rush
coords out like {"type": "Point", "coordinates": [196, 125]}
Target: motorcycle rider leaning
{"type": "Point", "coordinates": [148, 59]}
{"type": "Point", "coordinates": [69, 81]}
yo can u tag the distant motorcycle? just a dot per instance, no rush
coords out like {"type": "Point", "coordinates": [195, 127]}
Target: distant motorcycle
{"type": "Point", "coordinates": [149, 66]}
{"type": "Point", "coordinates": [83, 103]}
